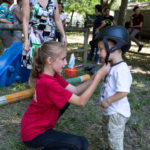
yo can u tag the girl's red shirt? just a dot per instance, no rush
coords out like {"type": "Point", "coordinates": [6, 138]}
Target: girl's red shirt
{"type": "Point", "coordinates": [50, 96]}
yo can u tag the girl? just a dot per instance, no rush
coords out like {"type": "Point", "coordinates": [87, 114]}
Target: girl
{"type": "Point", "coordinates": [51, 97]}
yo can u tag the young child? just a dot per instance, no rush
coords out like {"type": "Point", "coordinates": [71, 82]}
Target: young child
{"type": "Point", "coordinates": [50, 100]}
{"type": "Point", "coordinates": [112, 43]}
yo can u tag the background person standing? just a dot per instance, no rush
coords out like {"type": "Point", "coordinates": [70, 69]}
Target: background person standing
{"type": "Point", "coordinates": [39, 20]}
{"type": "Point", "coordinates": [99, 23]}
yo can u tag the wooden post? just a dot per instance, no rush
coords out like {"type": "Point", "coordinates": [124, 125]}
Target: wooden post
{"type": "Point", "coordinates": [86, 36]}
{"type": "Point", "coordinates": [10, 27]}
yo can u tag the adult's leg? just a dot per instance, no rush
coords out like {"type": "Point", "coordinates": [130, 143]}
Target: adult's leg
{"type": "Point", "coordinates": [56, 140]}
{"type": "Point", "coordinates": [7, 39]}
{"type": "Point", "coordinates": [17, 35]}
{"type": "Point", "coordinates": [133, 34]}
{"type": "Point", "coordinates": [90, 56]}
{"type": "Point", "coordinates": [97, 58]}
{"type": "Point", "coordinates": [58, 36]}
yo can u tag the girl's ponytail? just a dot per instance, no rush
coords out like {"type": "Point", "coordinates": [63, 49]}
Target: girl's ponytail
{"type": "Point", "coordinates": [38, 67]}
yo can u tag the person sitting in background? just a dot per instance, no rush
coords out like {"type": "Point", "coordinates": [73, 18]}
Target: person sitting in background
{"type": "Point", "coordinates": [63, 19]}
{"type": "Point", "coordinates": [99, 23]}
{"type": "Point", "coordinates": [17, 14]}
{"type": "Point", "coordinates": [109, 20]}
{"type": "Point", "coordinates": [136, 20]}
{"type": "Point", "coordinates": [6, 17]}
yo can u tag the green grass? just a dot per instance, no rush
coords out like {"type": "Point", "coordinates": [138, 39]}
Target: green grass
{"type": "Point", "coordinates": [87, 121]}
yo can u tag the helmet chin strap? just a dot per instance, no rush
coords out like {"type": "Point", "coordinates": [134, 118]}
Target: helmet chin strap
{"type": "Point", "coordinates": [107, 50]}
{"type": "Point", "coordinates": [107, 58]}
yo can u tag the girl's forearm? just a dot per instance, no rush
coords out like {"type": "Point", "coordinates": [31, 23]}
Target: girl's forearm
{"type": "Point", "coordinates": [81, 88]}
{"type": "Point", "coordinates": [89, 91]}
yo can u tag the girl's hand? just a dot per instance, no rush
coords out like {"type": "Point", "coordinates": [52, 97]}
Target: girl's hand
{"type": "Point", "coordinates": [64, 40]}
{"type": "Point", "coordinates": [26, 45]}
{"type": "Point", "coordinates": [103, 71]}
{"type": "Point", "coordinates": [104, 104]}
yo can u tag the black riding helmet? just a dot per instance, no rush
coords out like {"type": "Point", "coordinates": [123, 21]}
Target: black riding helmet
{"type": "Point", "coordinates": [118, 35]}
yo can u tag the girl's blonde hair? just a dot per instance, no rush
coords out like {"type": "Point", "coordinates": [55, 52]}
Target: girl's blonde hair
{"type": "Point", "coordinates": [48, 49]}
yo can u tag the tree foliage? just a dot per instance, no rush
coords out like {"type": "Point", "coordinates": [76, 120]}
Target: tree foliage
{"type": "Point", "coordinates": [80, 6]}
{"type": "Point", "coordinates": [139, 0]}
{"type": "Point", "coordinates": [84, 6]}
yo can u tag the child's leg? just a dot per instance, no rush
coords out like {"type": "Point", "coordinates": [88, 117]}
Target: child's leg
{"type": "Point", "coordinates": [104, 131]}
{"type": "Point", "coordinates": [116, 127]}
{"type": "Point", "coordinates": [56, 140]}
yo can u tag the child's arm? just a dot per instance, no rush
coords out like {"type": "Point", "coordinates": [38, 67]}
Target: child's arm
{"type": "Point", "coordinates": [83, 99]}
{"type": "Point", "coordinates": [117, 96]}
{"type": "Point", "coordinates": [5, 21]}
{"type": "Point", "coordinates": [81, 88]}
{"type": "Point", "coordinates": [100, 27]}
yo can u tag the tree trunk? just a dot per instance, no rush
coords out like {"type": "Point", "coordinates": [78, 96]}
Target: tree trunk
{"type": "Point", "coordinates": [122, 12]}
{"type": "Point", "coordinates": [71, 18]}
{"type": "Point", "coordinates": [105, 3]}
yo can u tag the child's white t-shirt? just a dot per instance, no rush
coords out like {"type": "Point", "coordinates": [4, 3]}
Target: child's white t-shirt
{"type": "Point", "coordinates": [119, 79]}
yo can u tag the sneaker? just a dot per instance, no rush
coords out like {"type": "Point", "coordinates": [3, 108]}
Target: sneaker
{"type": "Point", "coordinates": [140, 47]}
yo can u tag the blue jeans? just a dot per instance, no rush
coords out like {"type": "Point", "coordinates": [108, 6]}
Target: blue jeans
{"type": "Point", "coordinates": [90, 57]}
{"type": "Point", "coordinates": [57, 140]}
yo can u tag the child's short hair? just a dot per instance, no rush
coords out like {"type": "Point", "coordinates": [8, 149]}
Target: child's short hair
{"type": "Point", "coordinates": [48, 49]}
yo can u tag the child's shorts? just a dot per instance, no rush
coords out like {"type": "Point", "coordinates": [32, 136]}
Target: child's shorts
{"type": "Point", "coordinates": [115, 130]}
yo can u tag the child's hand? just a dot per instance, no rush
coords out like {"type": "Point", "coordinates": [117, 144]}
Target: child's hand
{"type": "Point", "coordinates": [104, 104]}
